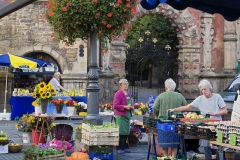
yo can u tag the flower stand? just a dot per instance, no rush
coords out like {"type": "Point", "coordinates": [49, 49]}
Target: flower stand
{"type": "Point", "coordinates": [27, 137]}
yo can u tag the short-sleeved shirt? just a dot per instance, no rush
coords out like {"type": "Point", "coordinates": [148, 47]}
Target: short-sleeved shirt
{"type": "Point", "coordinates": [212, 104]}
{"type": "Point", "coordinates": [55, 83]}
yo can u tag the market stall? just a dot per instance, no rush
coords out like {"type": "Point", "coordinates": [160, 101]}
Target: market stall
{"type": "Point", "coordinates": [23, 104]}
{"type": "Point", "coordinates": [195, 126]}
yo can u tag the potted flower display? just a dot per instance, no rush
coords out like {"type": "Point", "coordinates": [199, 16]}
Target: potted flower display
{"type": "Point", "coordinates": [4, 142]}
{"type": "Point", "coordinates": [41, 126]}
{"type": "Point", "coordinates": [107, 107]}
{"type": "Point", "coordinates": [43, 93]}
{"type": "Point", "coordinates": [24, 126]}
{"type": "Point", "coordinates": [81, 109]}
{"type": "Point", "coordinates": [135, 133]}
{"type": "Point", "coordinates": [78, 138]}
{"type": "Point", "coordinates": [140, 108]}
{"type": "Point", "coordinates": [71, 105]}
{"type": "Point", "coordinates": [58, 103]}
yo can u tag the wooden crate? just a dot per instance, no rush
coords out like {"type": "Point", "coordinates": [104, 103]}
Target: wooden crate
{"type": "Point", "coordinates": [99, 136]}
{"type": "Point", "coordinates": [52, 157]}
{"type": "Point", "coordinates": [101, 142]}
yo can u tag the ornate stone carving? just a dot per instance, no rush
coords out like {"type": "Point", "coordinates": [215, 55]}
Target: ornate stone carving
{"type": "Point", "coordinates": [186, 16]}
{"type": "Point", "coordinates": [230, 39]}
{"type": "Point", "coordinates": [207, 31]}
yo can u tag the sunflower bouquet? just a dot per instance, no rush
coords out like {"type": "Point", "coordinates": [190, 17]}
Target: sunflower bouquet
{"type": "Point", "coordinates": [43, 91]}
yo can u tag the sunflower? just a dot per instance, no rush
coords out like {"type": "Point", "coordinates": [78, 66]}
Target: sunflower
{"type": "Point", "coordinates": [49, 86]}
{"type": "Point", "coordinates": [42, 85]}
{"type": "Point", "coordinates": [43, 96]}
{"type": "Point", "coordinates": [34, 95]}
{"type": "Point", "coordinates": [53, 91]}
{"type": "Point", "coordinates": [35, 103]}
{"type": "Point", "coordinates": [48, 95]}
{"type": "Point", "coordinates": [35, 89]}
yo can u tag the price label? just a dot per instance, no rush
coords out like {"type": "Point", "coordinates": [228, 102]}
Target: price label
{"type": "Point", "coordinates": [219, 136]}
{"type": "Point", "coordinates": [233, 139]}
{"type": "Point", "coordinates": [1, 148]}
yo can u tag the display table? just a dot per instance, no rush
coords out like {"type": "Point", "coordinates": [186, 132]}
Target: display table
{"type": "Point", "coordinates": [23, 105]}
{"type": "Point", "coordinates": [215, 143]}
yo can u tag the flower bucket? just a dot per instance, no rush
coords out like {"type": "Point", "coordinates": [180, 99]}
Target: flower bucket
{"type": "Point", "coordinates": [27, 137]}
{"type": "Point", "coordinates": [44, 104]}
{"type": "Point", "coordinates": [38, 110]}
{"type": "Point", "coordinates": [59, 108]}
{"type": "Point", "coordinates": [35, 137]}
{"type": "Point", "coordinates": [70, 110]}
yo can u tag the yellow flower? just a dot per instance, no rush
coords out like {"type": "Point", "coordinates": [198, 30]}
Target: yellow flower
{"type": "Point", "coordinates": [53, 91]}
{"type": "Point", "coordinates": [48, 94]}
{"type": "Point", "coordinates": [34, 103]}
{"type": "Point", "coordinates": [34, 95]}
{"type": "Point", "coordinates": [42, 85]}
{"type": "Point", "coordinates": [16, 126]}
{"type": "Point", "coordinates": [43, 96]}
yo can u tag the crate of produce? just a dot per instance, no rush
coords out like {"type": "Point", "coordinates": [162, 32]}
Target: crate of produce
{"type": "Point", "coordinates": [191, 130]}
{"type": "Point", "coordinates": [32, 155]}
{"type": "Point", "coordinates": [102, 156]}
{"type": "Point", "coordinates": [180, 128]}
{"type": "Point", "coordinates": [146, 120]}
{"type": "Point", "coordinates": [106, 128]}
{"type": "Point", "coordinates": [104, 149]}
{"type": "Point", "coordinates": [206, 132]}
{"type": "Point", "coordinates": [90, 140]}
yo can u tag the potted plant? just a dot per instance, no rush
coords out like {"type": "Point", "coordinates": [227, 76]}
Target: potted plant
{"type": "Point", "coordinates": [71, 105]}
{"type": "Point", "coordinates": [58, 103]}
{"type": "Point", "coordinates": [43, 93]}
{"type": "Point", "coordinates": [41, 126]}
{"type": "Point", "coordinates": [81, 108]}
{"type": "Point", "coordinates": [24, 126]}
{"type": "Point", "coordinates": [135, 133]}
{"type": "Point", "coordinates": [78, 138]}
{"type": "Point", "coordinates": [4, 142]}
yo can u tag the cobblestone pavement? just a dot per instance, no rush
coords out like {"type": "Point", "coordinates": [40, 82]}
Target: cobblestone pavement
{"type": "Point", "coordinates": [137, 153]}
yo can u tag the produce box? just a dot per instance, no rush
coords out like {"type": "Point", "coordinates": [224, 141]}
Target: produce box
{"type": "Point", "coordinates": [107, 134]}
{"type": "Point", "coordinates": [30, 155]}
{"type": "Point", "coordinates": [101, 149]}
{"type": "Point", "coordinates": [184, 120]}
{"type": "Point", "coordinates": [102, 156]}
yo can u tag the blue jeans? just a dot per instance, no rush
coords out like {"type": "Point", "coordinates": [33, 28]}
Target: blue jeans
{"type": "Point", "coordinates": [208, 153]}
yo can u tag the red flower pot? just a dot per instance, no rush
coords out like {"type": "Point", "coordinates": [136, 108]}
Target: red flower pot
{"type": "Point", "coordinates": [35, 137]}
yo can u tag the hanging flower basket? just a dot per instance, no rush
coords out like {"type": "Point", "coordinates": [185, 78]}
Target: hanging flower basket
{"type": "Point", "coordinates": [78, 18]}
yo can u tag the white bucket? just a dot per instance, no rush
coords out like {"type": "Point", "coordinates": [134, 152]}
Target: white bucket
{"type": "Point", "coordinates": [38, 109]}
{"type": "Point", "coordinates": [70, 110]}
{"type": "Point", "coordinates": [27, 137]}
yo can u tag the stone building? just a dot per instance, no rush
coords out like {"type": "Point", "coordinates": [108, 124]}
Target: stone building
{"type": "Point", "coordinates": [207, 49]}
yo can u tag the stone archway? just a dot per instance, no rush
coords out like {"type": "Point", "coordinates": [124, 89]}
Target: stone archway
{"type": "Point", "coordinates": [189, 46]}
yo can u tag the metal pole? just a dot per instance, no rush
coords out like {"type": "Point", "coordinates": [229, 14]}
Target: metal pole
{"type": "Point", "coordinates": [92, 88]}
{"type": "Point", "coordinates": [5, 98]}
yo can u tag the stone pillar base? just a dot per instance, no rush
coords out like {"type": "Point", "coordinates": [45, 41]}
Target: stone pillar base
{"type": "Point", "coordinates": [230, 71]}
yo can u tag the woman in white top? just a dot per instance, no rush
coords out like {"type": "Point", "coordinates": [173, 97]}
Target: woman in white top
{"type": "Point", "coordinates": [208, 103]}
{"type": "Point", "coordinates": [55, 83]}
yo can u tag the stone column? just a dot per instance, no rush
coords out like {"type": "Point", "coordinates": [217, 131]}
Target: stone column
{"type": "Point", "coordinates": [93, 116]}
{"type": "Point", "coordinates": [230, 48]}
{"type": "Point", "coordinates": [207, 31]}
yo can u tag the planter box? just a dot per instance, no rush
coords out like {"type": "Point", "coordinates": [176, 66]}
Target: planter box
{"type": "Point", "coordinates": [4, 149]}
{"type": "Point", "coordinates": [88, 140]}
{"type": "Point", "coordinates": [52, 157]}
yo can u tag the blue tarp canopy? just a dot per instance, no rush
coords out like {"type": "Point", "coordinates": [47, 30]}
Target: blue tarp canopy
{"type": "Point", "coordinates": [229, 9]}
